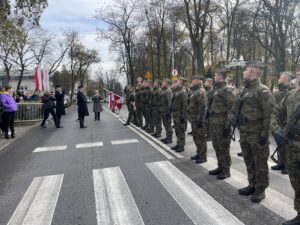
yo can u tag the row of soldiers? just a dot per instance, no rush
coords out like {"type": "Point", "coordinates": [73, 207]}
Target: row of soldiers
{"type": "Point", "coordinates": [214, 112]}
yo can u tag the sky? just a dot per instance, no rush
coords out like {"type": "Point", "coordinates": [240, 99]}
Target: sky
{"type": "Point", "coordinates": [78, 15]}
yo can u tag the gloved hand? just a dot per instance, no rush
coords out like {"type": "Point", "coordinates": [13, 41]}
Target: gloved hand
{"type": "Point", "coordinates": [279, 136]}
{"type": "Point", "coordinates": [263, 140]}
{"type": "Point", "coordinates": [226, 132]}
{"type": "Point", "coordinates": [182, 121]}
{"type": "Point", "coordinates": [200, 124]}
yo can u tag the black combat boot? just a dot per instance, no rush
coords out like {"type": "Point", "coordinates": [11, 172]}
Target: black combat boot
{"type": "Point", "coordinates": [12, 134]}
{"type": "Point", "coordinates": [279, 166]}
{"type": "Point", "coordinates": [168, 140]}
{"type": "Point", "coordinates": [126, 124]}
{"type": "Point", "coordinates": [285, 170]}
{"type": "Point", "coordinates": [249, 190]}
{"type": "Point", "coordinates": [195, 157]}
{"type": "Point", "coordinates": [190, 133]}
{"type": "Point", "coordinates": [201, 160]}
{"type": "Point", "coordinates": [180, 148]}
{"type": "Point", "coordinates": [224, 174]}
{"type": "Point", "coordinates": [175, 147]}
{"type": "Point", "coordinates": [154, 134]}
{"type": "Point", "coordinates": [295, 221]}
{"type": "Point", "coordinates": [215, 171]}
{"type": "Point", "coordinates": [157, 135]}
{"type": "Point", "coordinates": [6, 135]}
{"type": "Point", "coordinates": [163, 140]}
{"type": "Point", "coordinates": [258, 195]}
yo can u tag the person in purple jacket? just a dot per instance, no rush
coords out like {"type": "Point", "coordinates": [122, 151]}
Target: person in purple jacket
{"type": "Point", "coordinates": [9, 108]}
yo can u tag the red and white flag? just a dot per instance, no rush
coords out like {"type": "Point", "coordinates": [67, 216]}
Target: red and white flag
{"type": "Point", "coordinates": [41, 78]}
{"type": "Point", "coordinates": [115, 102]}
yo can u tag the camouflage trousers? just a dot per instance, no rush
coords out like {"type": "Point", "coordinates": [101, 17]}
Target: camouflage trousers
{"type": "Point", "coordinates": [221, 146]}
{"type": "Point", "coordinates": [293, 164]}
{"type": "Point", "coordinates": [199, 137]}
{"type": "Point", "coordinates": [179, 130]}
{"type": "Point", "coordinates": [282, 156]}
{"type": "Point", "coordinates": [156, 120]}
{"type": "Point", "coordinates": [256, 160]}
{"type": "Point", "coordinates": [149, 118]}
{"type": "Point", "coordinates": [167, 122]}
{"type": "Point", "coordinates": [139, 116]}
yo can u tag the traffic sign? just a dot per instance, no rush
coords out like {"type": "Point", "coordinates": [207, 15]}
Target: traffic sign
{"type": "Point", "coordinates": [174, 73]}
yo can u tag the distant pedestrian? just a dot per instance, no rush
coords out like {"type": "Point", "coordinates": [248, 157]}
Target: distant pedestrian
{"type": "Point", "coordinates": [60, 107]}
{"type": "Point", "coordinates": [48, 107]}
{"type": "Point", "coordinates": [9, 107]}
{"type": "Point", "coordinates": [97, 107]}
{"type": "Point", "coordinates": [82, 106]}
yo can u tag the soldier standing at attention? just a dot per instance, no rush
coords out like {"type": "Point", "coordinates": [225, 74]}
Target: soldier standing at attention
{"type": "Point", "coordinates": [196, 115]}
{"type": "Point", "coordinates": [283, 88]}
{"type": "Point", "coordinates": [148, 107]}
{"type": "Point", "coordinates": [138, 104]}
{"type": "Point", "coordinates": [130, 101]}
{"type": "Point", "coordinates": [164, 109]}
{"type": "Point", "coordinates": [208, 86]}
{"type": "Point", "coordinates": [219, 120]}
{"type": "Point", "coordinates": [190, 92]}
{"type": "Point", "coordinates": [155, 109]}
{"type": "Point", "coordinates": [143, 103]}
{"type": "Point", "coordinates": [289, 108]}
{"type": "Point", "coordinates": [179, 113]}
{"type": "Point", "coordinates": [254, 125]}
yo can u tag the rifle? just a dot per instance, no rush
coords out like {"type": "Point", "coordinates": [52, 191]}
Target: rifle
{"type": "Point", "coordinates": [237, 117]}
{"type": "Point", "coordinates": [288, 132]}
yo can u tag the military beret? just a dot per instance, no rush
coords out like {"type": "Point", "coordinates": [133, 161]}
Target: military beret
{"type": "Point", "coordinates": [256, 64]}
{"type": "Point", "coordinates": [197, 77]}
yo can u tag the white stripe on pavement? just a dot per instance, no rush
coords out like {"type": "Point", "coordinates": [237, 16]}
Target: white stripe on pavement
{"type": "Point", "coordinates": [275, 201]}
{"type": "Point", "coordinates": [114, 201]}
{"type": "Point", "coordinates": [197, 204]}
{"type": "Point", "coordinates": [52, 148]}
{"type": "Point", "coordinates": [121, 142]}
{"type": "Point", "coordinates": [38, 204]}
{"type": "Point", "coordinates": [89, 145]}
{"type": "Point", "coordinates": [167, 155]}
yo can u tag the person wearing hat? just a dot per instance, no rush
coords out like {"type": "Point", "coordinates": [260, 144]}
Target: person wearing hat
{"type": "Point", "coordinates": [284, 86]}
{"type": "Point", "coordinates": [60, 107]}
{"type": "Point", "coordinates": [286, 109]}
{"type": "Point", "coordinates": [196, 115]}
{"type": "Point", "coordinates": [208, 86]}
{"type": "Point", "coordinates": [139, 105]}
{"type": "Point", "coordinates": [48, 108]}
{"type": "Point", "coordinates": [179, 113]}
{"type": "Point", "coordinates": [254, 123]}
{"type": "Point", "coordinates": [148, 107]}
{"type": "Point", "coordinates": [155, 109]}
{"type": "Point", "coordinates": [82, 106]}
{"type": "Point", "coordinates": [164, 110]}
{"type": "Point", "coordinates": [222, 101]}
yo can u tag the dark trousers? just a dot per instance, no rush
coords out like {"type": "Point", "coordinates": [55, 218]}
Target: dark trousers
{"type": "Point", "coordinates": [130, 115]}
{"type": "Point", "coordinates": [8, 122]}
{"type": "Point", "coordinates": [46, 116]}
{"type": "Point", "coordinates": [97, 115]}
{"type": "Point", "coordinates": [81, 121]}
{"type": "Point", "coordinates": [58, 118]}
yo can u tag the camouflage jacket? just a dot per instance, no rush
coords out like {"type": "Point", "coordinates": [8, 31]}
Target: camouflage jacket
{"type": "Point", "coordinates": [165, 100]}
{"type": "Point", "coordinates": [179, 103]}
{"type": "Point", "coordinates": [221, 106]}
{"type": "Point", "coordinates": [197, 105]}
{"type": "Point", "coordinates": [130, 98]}
{"type": "Point", "coordinates": [156, 97]}
{"type": "Point", "coordinates": [138, 99]}
{"type": "Point", "coordinates": [282, 91]}
{"type": "Point", "coordinates": [148, 97]}
{"type": "Point", "coordinates": [258, 104]}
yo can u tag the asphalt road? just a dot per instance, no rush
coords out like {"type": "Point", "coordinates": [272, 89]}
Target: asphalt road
{"type": "Point", "coordinates": [111, 174]}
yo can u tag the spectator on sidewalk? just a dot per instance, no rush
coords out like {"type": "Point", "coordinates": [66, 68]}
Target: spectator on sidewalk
{"type": "Point", "coordinates": [48, 107]}
{"type": "Point", "coordinates": [9, 108]}
{"type": "Point", "coordinates": [35, 97]}
{"type": "Point", "coordinates": [60, 108]}
{"type": "Point", "coordinates": [97, 106]}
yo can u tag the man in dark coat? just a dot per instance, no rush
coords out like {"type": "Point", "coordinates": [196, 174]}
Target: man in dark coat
{"type": "Point", "coordinates": [60, 108]}
{"type": "Point", "coordinates": [82, 106]}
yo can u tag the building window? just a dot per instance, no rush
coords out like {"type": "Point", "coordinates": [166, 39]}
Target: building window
{"type": "Point", "coordinates": [26, 88]}
{"type": "Point", "coordinates": [21, 88]}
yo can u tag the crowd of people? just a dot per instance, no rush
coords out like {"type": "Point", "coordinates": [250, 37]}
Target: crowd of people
{"type": "Point", "coordinates": [214, 110]}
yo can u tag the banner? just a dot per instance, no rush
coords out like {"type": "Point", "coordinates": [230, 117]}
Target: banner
{"type": "Point", "coordinates": [115, 102]}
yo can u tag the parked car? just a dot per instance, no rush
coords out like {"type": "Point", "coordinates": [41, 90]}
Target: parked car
{"type": "Point", "coordinates": [67, 101]}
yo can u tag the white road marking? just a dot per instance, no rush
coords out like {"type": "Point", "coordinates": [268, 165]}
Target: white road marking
{"type": "Point", "coordinates": [121, 142]}
{"type": "Point", "coordinates": [38, 204]}
{"type": "Point", "coordinates": [167, 148]}
{"type": "Point", "coordinates": [52, 148]}
{"type": "Point", "coordinates": [114, 201]}
{"type": "Point", "coordinates": [197, 204]}
{"type": "Point", "coordinates": [89, 145]}
{"type": "Point", "coordinates": [275, 201]}
{"type": "Point", "coordinates": [168, 156]}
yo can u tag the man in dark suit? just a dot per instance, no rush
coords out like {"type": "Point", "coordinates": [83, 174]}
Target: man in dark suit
{"type": "Point", "coordinates": [60, 108]}
{"type": "Point", "coordinates": [82, 106]}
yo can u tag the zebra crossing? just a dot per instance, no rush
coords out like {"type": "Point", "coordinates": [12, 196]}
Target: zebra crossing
{"type": "Point", "coordinates": [115, 203]}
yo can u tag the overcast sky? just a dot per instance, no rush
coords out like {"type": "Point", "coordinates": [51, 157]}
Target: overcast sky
{"type": "Point", "coordinates": [78, 15]}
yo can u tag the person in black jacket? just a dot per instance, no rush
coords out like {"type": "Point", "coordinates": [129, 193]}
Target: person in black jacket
{"type": "Point", "coordinates": [48, 107]}
{"type": "Point", "coordinates": [60, 108]}
{"type": "Point", "coordinates": [82, 106]}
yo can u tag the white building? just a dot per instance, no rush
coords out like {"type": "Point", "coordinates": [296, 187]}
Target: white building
{"type": "Point", "coordinates": [27, 85]}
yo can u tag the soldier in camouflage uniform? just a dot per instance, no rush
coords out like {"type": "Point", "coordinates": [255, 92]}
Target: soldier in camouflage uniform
{"type": "Point", "coordinates": [148, 107]}
{"type": "Point", "coordinates": [164, 109]}
{"type": "Point", "coordinates": [196, 115]}
{"type": "Point", "coordinates": [283, 88]}
{"type": "Point", "coordinates": [219, 120]}
{"type": "Point", "coordinates": [208, 86]}
{"type": "Point", "coordinates": [179, 113]}
{"type": "Point", "coordinates": [138, 104]}
{"type": "Point", "coordinates": [130, 101]}
{"type": "Point", "coordinates": [287, 108]}
{"type": "Point", "coordinates": [142, 100]}
{"type": "Point", "coordinates": [254, 124]}
{"type": "Point", "coordinates": [155, 109]}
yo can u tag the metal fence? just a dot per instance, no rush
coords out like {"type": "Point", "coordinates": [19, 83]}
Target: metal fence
{"type": "Point", "coordinates": [29, 112]}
